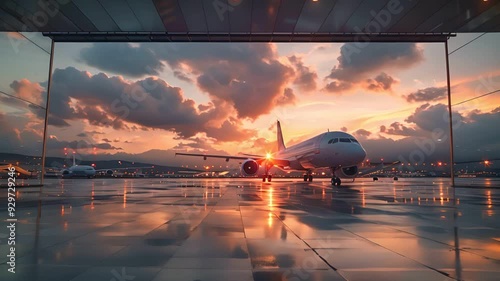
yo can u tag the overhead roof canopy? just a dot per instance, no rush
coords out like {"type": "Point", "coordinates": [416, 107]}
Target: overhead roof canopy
{"type": "Point", "coordinates": [249, 20]}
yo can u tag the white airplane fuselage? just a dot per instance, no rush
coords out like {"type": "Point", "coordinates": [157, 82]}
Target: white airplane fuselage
{"type": "Point", "coordinates": [327, 150]}
{"type": "Point", "coordinates": [79, 171]}
{"type": "Point", "coordinates": [338, 151]}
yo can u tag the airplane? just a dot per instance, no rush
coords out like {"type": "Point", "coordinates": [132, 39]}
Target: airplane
{"type": "Point", "coordinates": [338, 151]}
{"type": "Point", "coordinates": [90, 172]}
{"type": "Point", "coordinates": [81, 171]}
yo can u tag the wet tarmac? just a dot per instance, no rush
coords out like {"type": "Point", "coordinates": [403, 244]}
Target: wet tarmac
{"type": "Point", "coordinates": [243, 229]}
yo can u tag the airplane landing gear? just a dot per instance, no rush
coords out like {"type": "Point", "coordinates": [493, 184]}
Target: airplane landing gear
{"type": "Point", "coordinates": [336, 181]}
{"type": "Point", "coordinates": [308, 177]}
{"type": "Point", "coordinates": [268, 177]}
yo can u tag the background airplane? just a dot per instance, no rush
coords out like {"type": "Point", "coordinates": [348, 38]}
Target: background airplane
{"type": "Point", "coordinates": [87, 171]}
{"type": "Point", "coordinates": [338, 151]}
{"type": "Point", "coordinates": [81, 171]}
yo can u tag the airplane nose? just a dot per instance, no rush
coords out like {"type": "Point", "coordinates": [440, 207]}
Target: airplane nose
{"type": "Point", "coordinates": [360, 154]}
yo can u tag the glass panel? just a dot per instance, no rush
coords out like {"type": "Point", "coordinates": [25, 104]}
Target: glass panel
{"type": "Point", "coordinates": [23, 98]}
{"type": "Point", "coordinates": [344, 140]}
{"type": "Point", "coordinates": [476, 106]}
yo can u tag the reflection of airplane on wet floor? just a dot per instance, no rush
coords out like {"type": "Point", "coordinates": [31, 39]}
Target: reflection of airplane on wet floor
{"type": "Point", "coordinates": [338, 151]}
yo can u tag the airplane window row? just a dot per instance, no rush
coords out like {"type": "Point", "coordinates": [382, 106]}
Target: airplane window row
{"type": "Point", "coordinates": [335, 140]}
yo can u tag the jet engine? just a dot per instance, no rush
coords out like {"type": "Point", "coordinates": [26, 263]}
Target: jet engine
{"type": "Point", "coordinates": [347, 172]}
{"type": "Point", "coordinates": [109, 172]}
{"type": "Point", "coordinates": [250, 167]}
{"type": "Point", "coordinates": [65, 173]}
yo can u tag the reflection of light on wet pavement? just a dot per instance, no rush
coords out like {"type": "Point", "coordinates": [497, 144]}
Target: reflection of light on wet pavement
{"type": "Point", "coordinates": [263, 230]}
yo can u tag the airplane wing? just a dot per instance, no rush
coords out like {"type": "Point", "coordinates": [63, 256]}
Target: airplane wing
{"type": "Point", "coordinates": [490, 161]}
{"type": "Point", "coordinates": [252, 155]}
{"type": "Point", "coordinates": [259, 159]}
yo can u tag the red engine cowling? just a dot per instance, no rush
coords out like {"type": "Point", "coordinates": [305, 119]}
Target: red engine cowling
{"type": "Point", "coordinates": [250, 167]}
{"type": "Point", "coordinates": [347, 172]}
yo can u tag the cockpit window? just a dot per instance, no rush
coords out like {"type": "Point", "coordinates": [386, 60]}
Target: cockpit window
{"type": "Point", "coordinates": [344, 140]}
{"type": "Point", "coordinates": [333, 140]}
{"type": "Point", "coordinates": [354, 140]}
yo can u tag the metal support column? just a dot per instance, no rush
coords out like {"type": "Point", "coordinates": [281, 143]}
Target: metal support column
{"type": "Point", "coordinates": [452, 161]}
{"type": "Point", "coordinates": [47, 104]}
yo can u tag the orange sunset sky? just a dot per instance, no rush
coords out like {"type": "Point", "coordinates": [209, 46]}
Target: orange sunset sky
{"type": "Point", "coordinates": [143, 102]}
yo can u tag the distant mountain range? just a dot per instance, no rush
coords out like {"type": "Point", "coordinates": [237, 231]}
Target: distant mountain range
{"type": "Point", "coordinates": [59, 162]}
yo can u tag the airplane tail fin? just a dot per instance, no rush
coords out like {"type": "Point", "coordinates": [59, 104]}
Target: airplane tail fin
{"type": "Point", "coordinates": [281, 142]}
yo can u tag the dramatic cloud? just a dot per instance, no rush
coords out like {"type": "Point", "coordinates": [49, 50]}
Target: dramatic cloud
{"type": "Point", "coordinates": [476, 137]}
{"type": "Point", "coordinates": [427, 94]}
{"type": "Point", "coordinates": [81, 146]}
{"type": "Point", "coordinates": [200, 144]}
{"type": "Point", "coordinates": [362, 133]}
{"type": "Point", "coordinates": [399, 129]}
{"type": "Point", "coordinates": [338, 86]}
{"type": "Point", "coordinates": [229, 131]}
{"type": "Point", "coordinates": [382, 82]}
{"type": "Point", "coordinates": [249, 77]}
{"type": "Point", "coordinates": [374, 56]}
{"type": "Point", "coordinates": [182, 76]}
{"type": "Point", "coordinates": [305, 78]}
{"type": "Point", "coordinates": [150, 103]}
{"type": "Point", "coordinates": [431, 117]}
{"type": "Point", "coordinates": [17, 136]}
{"type": "Point", "coordinates": [32, 92]}
{"type": "Point", "coordinates": [262, 146]}
{"type": "Point", "coordinates": [355, 64]}
{"type": "Point", "coordinates": [288, 97]}
{"type": "Point", "coordinates": [123, 58]}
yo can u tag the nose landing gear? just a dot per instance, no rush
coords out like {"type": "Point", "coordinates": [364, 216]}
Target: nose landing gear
{"type": "Point", "coordinates": [336, 181]}
{"type": "Point", "coordinates": [308, 177]}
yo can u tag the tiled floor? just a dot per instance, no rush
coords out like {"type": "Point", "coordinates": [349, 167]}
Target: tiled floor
{"type": "Point", "coordinates": [243, 229]}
